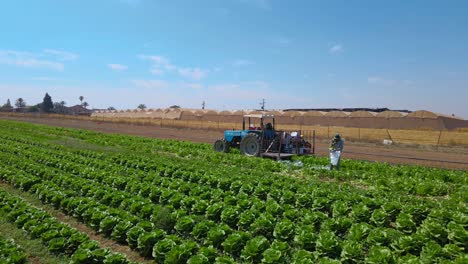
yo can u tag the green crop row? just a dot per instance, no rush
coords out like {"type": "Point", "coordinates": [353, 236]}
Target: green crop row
{"type": "Point", "coordinates": [180, 202]}
{"type": "Point", "coordinates": [10, 252]}
{"type": "Point", "coordinates": [59, 238]}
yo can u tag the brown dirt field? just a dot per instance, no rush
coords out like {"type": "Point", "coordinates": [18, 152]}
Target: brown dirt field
{"type": "Point", "coordinates": [446, 157]}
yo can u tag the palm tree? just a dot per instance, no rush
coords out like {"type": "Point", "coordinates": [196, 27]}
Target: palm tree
{"type": "Point", "coordinates": [85, 104]}
{"type": "Point", "coordinates": [81, 99]}
{"type": "Point", "coordinates": [141, 106]}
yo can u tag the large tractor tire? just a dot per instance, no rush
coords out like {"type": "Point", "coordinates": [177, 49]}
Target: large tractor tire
{"type": "Point", "coordinates": [221, 145]}
{"type": "Point", "coordinates": [250, 145]}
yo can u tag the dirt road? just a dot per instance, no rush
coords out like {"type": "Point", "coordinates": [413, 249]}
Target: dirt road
{"type": "Point", "coordinates": [456, 159]}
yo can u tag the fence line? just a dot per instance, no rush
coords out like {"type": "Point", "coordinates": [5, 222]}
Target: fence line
{"type": "Point", "coordinates": [398, 136]}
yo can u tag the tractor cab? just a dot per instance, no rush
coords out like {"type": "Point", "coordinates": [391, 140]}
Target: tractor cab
{"type": "Point", "coordinates": [259, 137]}
{"type": "Point", "coordinates": [262, 121]}
{"type": "Point", "coordinates": [254, 124]}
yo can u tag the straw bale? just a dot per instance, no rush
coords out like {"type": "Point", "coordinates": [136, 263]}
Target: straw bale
{"type": "Point", "coordinates": [199, 112]}
{"type": "Point", "coordinates": [239, 112]}
{"type": "Point", "coordinates": [422, 114]}
{"type": "Point", "coordinates": [361, 114]}
{"type": "Point", "coordinates": [313, 113]}
{"type": "Point", "coordinates": [211, 112]}
{"type": "Point", "coordinates": [225, 113]}
{"type": "Point", "coordinates": [276, 113]}
{"type": "Point", "coordinates": [390, 114]}
{"type": "Point", "coordinates": [337, 114]}
{"type": "Point", "coordinates": [293, 113]}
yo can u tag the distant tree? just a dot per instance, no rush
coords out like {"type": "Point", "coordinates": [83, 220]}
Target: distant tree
{"type": "Point", "coordinates": [34, 108]}
{"type": "Point", "coordinates": [81, 99]}
{"type": "Point", "coordinates": [7, 105]}
{"type": "Point", "coordinates": [20, 103]}
{"type": "Point", "coordinates": [59, 107]}
{"type": "Point", "coordinates": [141, 106]}
{"type": "Point", "coordinates": [47, 105]}
{"type": "Point", "coordinates": [110, 108]}
{"type": "Point", "coordinates": [85, 104]}
{"type": "Point", "coordinates": [174, 106]}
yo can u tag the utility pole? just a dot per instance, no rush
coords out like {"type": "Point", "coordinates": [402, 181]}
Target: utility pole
{"type": "Point", "coordinates": [203, 105]}
{"type": "Point", "coordinates": [262, 104]}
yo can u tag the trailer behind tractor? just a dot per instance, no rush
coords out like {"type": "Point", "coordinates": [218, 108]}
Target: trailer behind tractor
{"type": "Point", "coordinates": [264, 140]}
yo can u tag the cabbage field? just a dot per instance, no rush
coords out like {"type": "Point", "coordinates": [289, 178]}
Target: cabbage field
{"type": "Point", "coordinates": [181, 202]}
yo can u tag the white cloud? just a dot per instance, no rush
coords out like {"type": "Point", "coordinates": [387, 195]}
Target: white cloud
{"type": "Point", "coordinates": [153, 84]}
{"type": "Point", "coordinates": [117, 67]}
{"type": "Point", "coordinates": [155, 59]}
{"type": "Point", "coordinates": [163, 84]}
{"type": "Point", "coordinates": [61, 55]}
{"type": "Point", "coordinates": [193, 85]}
{"type": "Point", "coordinates": [161, 65]}
{"type": "Point", "coordinates": [192, 73]}
{"type": "Point", "coordinates": [337, 48]}
{"type": "Point", "coordinates": [28, 60]}
{"type": "Point", "coordinates": [242, 62]}
{"type": "Point", "coordinates": [156, 71]}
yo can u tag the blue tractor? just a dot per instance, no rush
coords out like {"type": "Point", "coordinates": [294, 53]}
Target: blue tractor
{"type": "Point", "coordinates": [263, 140]}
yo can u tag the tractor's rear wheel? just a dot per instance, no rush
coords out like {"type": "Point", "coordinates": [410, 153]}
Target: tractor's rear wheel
{"type": "Point", "coordinates": [250, 145]}
{"type": "Point", "coordinates": [221, 145]}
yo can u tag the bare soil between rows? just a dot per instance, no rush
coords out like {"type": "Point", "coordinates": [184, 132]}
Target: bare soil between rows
{"type": "Point", "coordinates": [449, 158]}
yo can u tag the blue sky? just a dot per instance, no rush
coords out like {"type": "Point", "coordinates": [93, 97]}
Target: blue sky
{"type": "Point", "coordinates": [232, 53]}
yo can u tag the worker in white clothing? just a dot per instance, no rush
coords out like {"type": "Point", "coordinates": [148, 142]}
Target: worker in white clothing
{"type": "Point", "coordinates": [336, 148]}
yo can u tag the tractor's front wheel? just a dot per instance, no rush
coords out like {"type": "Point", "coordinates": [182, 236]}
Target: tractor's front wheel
{"type": "Point", "coordinates": [221, 145]}
{"type": "Point", "coordinates": [250, 145]}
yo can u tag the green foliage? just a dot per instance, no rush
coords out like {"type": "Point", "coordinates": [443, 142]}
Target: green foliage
{"type": "Point", "coordinates": [305, 237]}
{"type": "Point", "coordinates": [147, 240]}
{"type": "Point", "coordinates": [10, 252]}
{"type": "Point", "coordinates": [119, 233]}
{"type": "Point", "coordinates": [352, 252]}
{"type": "Point", "coordinates": [182, 203]}
{"type": "Point", "coordinates": [253, 250]}
{"type": "Point", "coordinates": [284, 230]}
{"type": "Point", "coordinates": [184, 225]}
{"type": "Point", "coordinates": [58, 237]}
{"type": "Point", "coordinates": [327, 244]}
{"type": "Point", "coordinates": [164, 246]}
{"type": "Point", "coordinates": [379, 255]}
{"type": "Point", "coordinates": [181, 253]}
{"type": "Point", "coordinates": [47, 104]}
{"type": "Point", "coordinates": [217, 235]}
{"type": "Point", "coordinates": [235, 242]}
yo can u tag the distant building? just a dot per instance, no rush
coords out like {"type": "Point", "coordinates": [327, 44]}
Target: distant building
{"type": "Point", "coordinates": [78, 110]}
{"type": "Point", "coordinates": [20, 109]}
